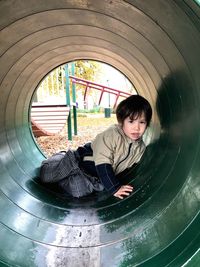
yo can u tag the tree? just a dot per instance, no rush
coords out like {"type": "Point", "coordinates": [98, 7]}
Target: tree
{"type": "Point", "coordinates": [87, 69]}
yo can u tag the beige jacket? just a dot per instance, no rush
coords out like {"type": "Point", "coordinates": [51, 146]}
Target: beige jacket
{"type": "Point", "coordinates": [113, 147]}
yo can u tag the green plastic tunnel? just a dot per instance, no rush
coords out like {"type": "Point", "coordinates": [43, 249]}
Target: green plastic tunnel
{"type": "Point", "coordinates": [156, 44]}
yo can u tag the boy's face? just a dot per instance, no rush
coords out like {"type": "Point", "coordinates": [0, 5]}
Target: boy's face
{"type": "Point", "coordinates": [135, 127]}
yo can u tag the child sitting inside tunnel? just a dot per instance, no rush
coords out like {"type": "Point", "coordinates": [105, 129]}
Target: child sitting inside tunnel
{"type": "Point", "coordinates": [95, 166]}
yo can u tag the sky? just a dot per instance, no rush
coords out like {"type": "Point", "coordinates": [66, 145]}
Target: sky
{"type": "Point", "coordinates": [114, 78]}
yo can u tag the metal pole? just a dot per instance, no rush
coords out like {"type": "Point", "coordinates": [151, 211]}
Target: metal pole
{"type": "Point", "coordinates": [69, 120]}
{"type": "Point", "coordinates": [108, 95]}
{"type": "Point", "coordinates": [74, 99]}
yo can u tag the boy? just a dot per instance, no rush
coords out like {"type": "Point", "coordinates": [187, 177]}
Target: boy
{"type": "Point", "coordinates": [110, 153]}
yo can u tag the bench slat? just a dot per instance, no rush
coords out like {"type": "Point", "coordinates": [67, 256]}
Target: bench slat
{"type": "Point", "coordinates": [48, 120]}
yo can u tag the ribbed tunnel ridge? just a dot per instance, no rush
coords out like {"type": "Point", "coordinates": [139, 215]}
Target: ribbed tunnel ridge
{"type": "Point", "coordinates": [156, 45]}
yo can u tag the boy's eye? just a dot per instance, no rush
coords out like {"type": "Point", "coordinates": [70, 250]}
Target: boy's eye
{"type": "Point", "coordinates": [132, 121]}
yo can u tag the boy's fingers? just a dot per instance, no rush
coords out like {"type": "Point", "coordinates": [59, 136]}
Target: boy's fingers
{"type": "Point", "coordinates": [129, 189]}
{"type": "Point", "coordinates": [126, 194]}
{"type": "Point", "coordinates": [125, 190]}
{"type": "Point", "coordinates": [119, 196]}
{"type": "Point", "coordinates": [128, 186]}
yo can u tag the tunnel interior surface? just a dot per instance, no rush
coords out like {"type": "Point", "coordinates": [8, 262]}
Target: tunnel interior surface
{"type": "Point", "coordinates": [156, 45]}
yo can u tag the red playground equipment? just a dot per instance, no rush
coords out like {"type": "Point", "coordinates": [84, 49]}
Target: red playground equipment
{"type": "Point", "coordinates": [100, 87]}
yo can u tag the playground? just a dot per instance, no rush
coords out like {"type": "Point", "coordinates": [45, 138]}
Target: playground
{"type": "Point", "coordinates": [155, 44]}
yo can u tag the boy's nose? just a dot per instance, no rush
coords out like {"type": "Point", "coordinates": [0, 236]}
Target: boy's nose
{"type": "Point", "coordinates": [137, 126]}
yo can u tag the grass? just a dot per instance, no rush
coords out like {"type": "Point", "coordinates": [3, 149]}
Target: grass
{"type": "Point", "coordinates": [93, 121]}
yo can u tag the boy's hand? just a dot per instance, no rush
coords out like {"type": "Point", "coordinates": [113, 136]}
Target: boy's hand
{"type": "Point", "coordinates": [124, 191]}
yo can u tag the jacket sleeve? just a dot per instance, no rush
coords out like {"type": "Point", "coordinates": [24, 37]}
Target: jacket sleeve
{"type": "Point", "coordinates": [108, 178]}
{"type": "Point", "coordinates": [104, 149]}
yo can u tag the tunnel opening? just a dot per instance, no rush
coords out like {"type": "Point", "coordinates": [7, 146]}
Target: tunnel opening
{"type": "Point", "coordinates": [111, 99]}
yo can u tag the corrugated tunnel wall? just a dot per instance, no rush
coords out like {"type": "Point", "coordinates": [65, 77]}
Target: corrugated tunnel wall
{"type": "Point", "coordinates": [156, 44]}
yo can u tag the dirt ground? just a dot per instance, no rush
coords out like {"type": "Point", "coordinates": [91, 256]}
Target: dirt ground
{"type": "Point", "coordinates": [88, 128]}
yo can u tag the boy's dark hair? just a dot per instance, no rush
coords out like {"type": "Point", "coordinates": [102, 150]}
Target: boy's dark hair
{"type": "Point", "coordinates": [132, 107]}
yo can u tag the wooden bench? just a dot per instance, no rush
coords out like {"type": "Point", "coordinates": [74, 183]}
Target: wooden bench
{"type": "Point", "coordinates": [49, 119]}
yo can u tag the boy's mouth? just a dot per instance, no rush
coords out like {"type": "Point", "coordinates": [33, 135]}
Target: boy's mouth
{"type": "Point", "coordinates": [135, 135]}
